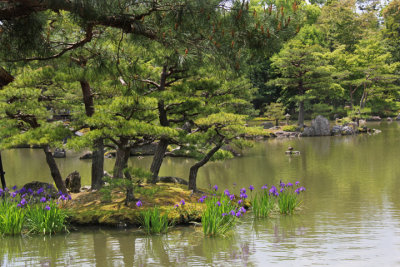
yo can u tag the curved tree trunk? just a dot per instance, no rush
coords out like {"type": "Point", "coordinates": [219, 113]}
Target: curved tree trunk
{"type": "Point", "coordinates": [98, 152]}
{"type": "Point", "coordinates": [55, 172]}
{"type": "Point", "coordinates": [195, 168]}
{"type": "Point", "coordinates": [158, 159]}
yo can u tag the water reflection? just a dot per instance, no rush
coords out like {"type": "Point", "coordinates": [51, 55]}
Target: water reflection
{"type": "Point", "coordinates": [351, 214]}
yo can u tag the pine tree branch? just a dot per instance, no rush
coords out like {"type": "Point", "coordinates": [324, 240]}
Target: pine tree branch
{"type": "Point", "coordinates": [87, 39]}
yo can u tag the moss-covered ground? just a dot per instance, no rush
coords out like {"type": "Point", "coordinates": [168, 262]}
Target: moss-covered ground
{"type": "Point", "coordinates": [87, 208]}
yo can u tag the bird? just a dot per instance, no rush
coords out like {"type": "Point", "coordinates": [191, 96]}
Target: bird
{"type": "Point", "coordinates": [290, 148]}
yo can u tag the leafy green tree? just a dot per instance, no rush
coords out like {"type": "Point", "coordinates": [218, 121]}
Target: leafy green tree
{"type": "Point", "coordinates": [210, 134]}
{"type": "Point", "coordinates": [27, 108]}
{"type": "Point", "coordinates": [275, 111]}
{"type": "Point", "coordinates": [304, 69]}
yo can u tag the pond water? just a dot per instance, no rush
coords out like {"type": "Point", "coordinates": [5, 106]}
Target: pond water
{"type": "Point", "coordinates": [351, 212]}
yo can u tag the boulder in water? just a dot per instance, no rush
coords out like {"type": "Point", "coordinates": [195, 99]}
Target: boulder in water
{"type": "Point", "coordinates": [59, 153]}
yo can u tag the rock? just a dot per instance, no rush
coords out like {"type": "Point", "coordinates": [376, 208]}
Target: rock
{"type": "Point", "coordinates": [59, 153]}
{"type": "Point", "coordinates": [267, 125]}
{"type": "Point", "coordinates": [362, 122]}
{"type": "Point", "coordinates": [389, 119]}
{"type": "Point", "coordinates": [292, 152]}
{"type": "Point", "coordinates": [232, 150]}
{"type": "Point", "coordinates": [321, 126]}
{"type": "Point", "coordinates": [48, 189]}
{"type": "Point", "coordinates": [308, 131]}
{"type": "Point", "coordinates": [347, 130]}
{"type": "Point", "coordinates": [144, 150]}
{"type": "Point", "coordinates": [374, 118]}
{"type": "Point", "coordinates": [398, 117]}
{"type": "Point", "coordinates": [86, 188]}
{"type": "Point", "coordinates": [73, 182]}
{"type": "Point", "coordinates": [87, 155]}
{"type": "Point", "coordinates": [336, 130]}
{"type": "Point", "coordinates": [376, 131]}
{"type": "Point", "coordinates": [171, 179]}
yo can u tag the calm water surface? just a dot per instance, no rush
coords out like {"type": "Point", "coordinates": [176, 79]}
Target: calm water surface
{"type": "Point", "coordinates": [351, 214]}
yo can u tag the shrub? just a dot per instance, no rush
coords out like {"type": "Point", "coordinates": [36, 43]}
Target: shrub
{"type": "Point", "coordinates": [289, 128]}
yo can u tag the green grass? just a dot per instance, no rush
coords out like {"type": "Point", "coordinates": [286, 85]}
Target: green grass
{"type": "Point", "coordinates": [262, 204]}
{"type": "Point", "coordinates": [31, 217]}
{"type": "Point", "coordinates": [46, 221]}
{"type": "Point", "coordinates": [12, 218]}
{"type": "Point", "coordinates": [216, 218]}
{"type": "Point", "coordinates": [288, 201]}
{"type": "Point", "coordinates": [153, 221]}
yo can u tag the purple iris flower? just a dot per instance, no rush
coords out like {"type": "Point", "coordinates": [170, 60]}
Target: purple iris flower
{"type": "Point", "coordinates": [62, 197]}
{"type": "Point", "coordinates": [14, 187]}
{"type": "Point", "coordinates": [240, 202]}
{"type": "Point", "coordinates": [1, 192]}
{"type": "Point", "coordinates": [302, 189]}
{"type": "Point", "coordinates": [297, 191]}
{"type": "Point", "coordinates": [24, 195]}
{"type": "Point", "coordinates": [264, 187]}
{"type": "Point", "coordinates": [182, 202]}
{"type": "Point", "coordinates": [23, 202]}
{"type": "Point", "coordinates": [243, 190]}
{"type": "Point", "coordinates": [282, 184]}
{"type": "Point", "coordinates": [22, 190]}
{"type": "Point", "coordinates": [69, 197]}
{"type": "Point", "coordinates": [224, 214]}
{"type": "Point", "coordinates": [243, 195]}
{"type": "Point", "coordinates": [47, 207]}
{"type": "Point", "coordinates": [297, 183]}
{"type": "Point", "coordinates": [13, 194]}
{"type": "Point", "coordinates": [176, 206]}
{"type": "Point", "coordinates": [251, 188]}
{"type": "Point", "coordinates": [226, 192]}
{"type": "Point", "coordinates": [41, 190]}
{"type": "Point", "coordinates": [43, 199]}
{"type": "Point", "coordinates": [242, 210]}
{"type": "Point", "coordinates": [139, 203]}
{"type": "Point", "coordinates": [232, 197]}
{"type": "Point", "coordinates": [30, 191]}
{"type": "Point", "coordinates": [289, 184]}
{"type": "Point", "coordinates": [201, 200]}
{"type": "Point", "coordinates": [238, 214]}
{"type": "Point", "coordinates": [232, 212]}
{"type": "Point", "coordinates": [218, 204]}
{"type": "Point", "coordinates": [272, 190]}
{"type": "Point", "coordinates": [282, 189]}
{"type": "Point", "coordinates": [19, 205]}
{"type": "Point", "coordinates": [215, 187]}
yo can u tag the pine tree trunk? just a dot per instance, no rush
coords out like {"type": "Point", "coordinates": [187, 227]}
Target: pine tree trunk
{"type": "Point", "coordinates": [121, 161]}
{"type": "Point", "coordinates": [98, 151]}
{"type": "Point", "coordinates": [55, 172]}
{"type": "Point", "coordinates": [158, 159]}
{"type": "Point", "coordinates": [195, 168]}
{"type": "Point", "coordinates": [301, 114]}
{"type": "Point", "coordinates": [98, 164]}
